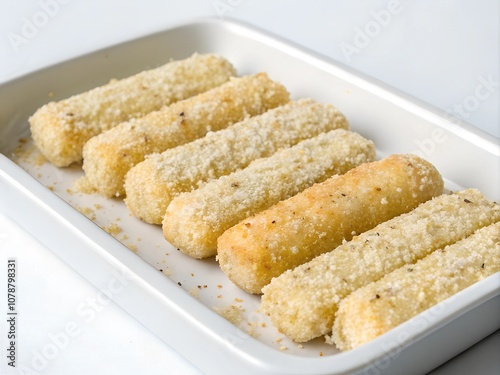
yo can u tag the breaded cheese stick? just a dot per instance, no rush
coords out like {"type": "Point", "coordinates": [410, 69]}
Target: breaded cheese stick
{"type": "Point", "coordinates": [152, 184]}
{"type": "Point", "coordinates": [302, 302]}
{"type": "Point", "coordinates": [60, 129]}
{"type": "Point", "coordinates": [407, 291]}
{"type": "Point", "coordinates": [322, 217]}
{"type": "Point", "coordinates": [110, 155]}
{"type": "Point", "coordinates": [194, 220]}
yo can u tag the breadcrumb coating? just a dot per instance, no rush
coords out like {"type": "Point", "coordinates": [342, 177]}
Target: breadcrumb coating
{"type": "Point", "coordinates": [407, 291]}
{"type": "Point", "coordinates": [60, 129]}
{"type": "Point", "coordinates": [302, 302]}
{"type": "Point", "coordinates": [320, 218]}
{"type": "Point", "coordinates": [193, 221]}
{"type": "Point", "coordinates": [152, 184]}
{"type": "Point", "coordinates": [110, 155]}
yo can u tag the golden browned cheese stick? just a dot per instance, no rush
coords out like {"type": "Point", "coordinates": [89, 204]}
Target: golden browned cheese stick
{"type": "Point", "coordinates": [407, 291]}
{"type": "Point", "coordinates": [322, 217]}
{"type": "Point", "coordinates": [194, 220]}
{"type": "Point", "coordinates": [302, 302]}
{"type": "Point", "coordinates": [151, 185]}
{"type": "Point", "coordinates": [60, 129]}
{"type": "Point", "coordinates": [110, 155]}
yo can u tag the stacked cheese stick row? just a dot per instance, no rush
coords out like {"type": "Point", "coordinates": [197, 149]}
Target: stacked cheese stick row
{"type": "Point", "coordinates": [320, 218]}
{"type": "Point", "coordinates": [60, 129]}
{"type": "Point", "coordinates": [288, 198]}
{"type": "Point", "coordinates": [407, 291]}
{"type": "Point", "coordinates": [110, 155]}
{"type": "Point", "coordinates": [116, 149]}
{"type": "Point", "coordinates": [194, 221]}
{"type": "Point", "coordinates": [151, 185]}
{"type": "Point", "coordinates": [302, 302]}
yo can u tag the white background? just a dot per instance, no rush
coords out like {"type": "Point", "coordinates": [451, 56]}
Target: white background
{"type": "Point", "coordinates": [438, 51]}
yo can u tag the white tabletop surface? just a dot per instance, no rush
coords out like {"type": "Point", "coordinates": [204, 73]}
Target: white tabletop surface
{"type": "Point", "coordinates": [443, 52]}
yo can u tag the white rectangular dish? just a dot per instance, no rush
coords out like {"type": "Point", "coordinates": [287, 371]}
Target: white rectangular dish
{"type": "Point", "coordinates": [181, 299]}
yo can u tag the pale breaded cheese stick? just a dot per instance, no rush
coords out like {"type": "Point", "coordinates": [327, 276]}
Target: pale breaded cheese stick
{"type": "Point", "coordinates": [60, 129]}
{"type": "Point", "coordinates": [407, 291]}
{"type": "Point", "coordinates": [302, 302]}
{"type": "Point", "coordinates": [322, 217]}
{"type": "Point", "coordinates": [110, 155]}
{"type": "Point", "coordinates": [194, 220]}
{"type": "Point", "coordinates": [152, 184]}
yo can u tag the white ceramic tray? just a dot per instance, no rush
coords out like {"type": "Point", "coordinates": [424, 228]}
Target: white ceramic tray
{"type": "Point", "coordinates": [175, 296]}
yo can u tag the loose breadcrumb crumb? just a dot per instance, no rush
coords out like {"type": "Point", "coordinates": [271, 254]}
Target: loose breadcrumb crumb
{"type": "Point", "coordinates": [87, 211]}
{"type": "Point", "coordinates": [232, 313]}
{"type": "Point", "coordinates": [167, 272]}
{"type": "Point", "coordinates": [252, 329]}
{"type": "Point", "coordinates": [113, 229]}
